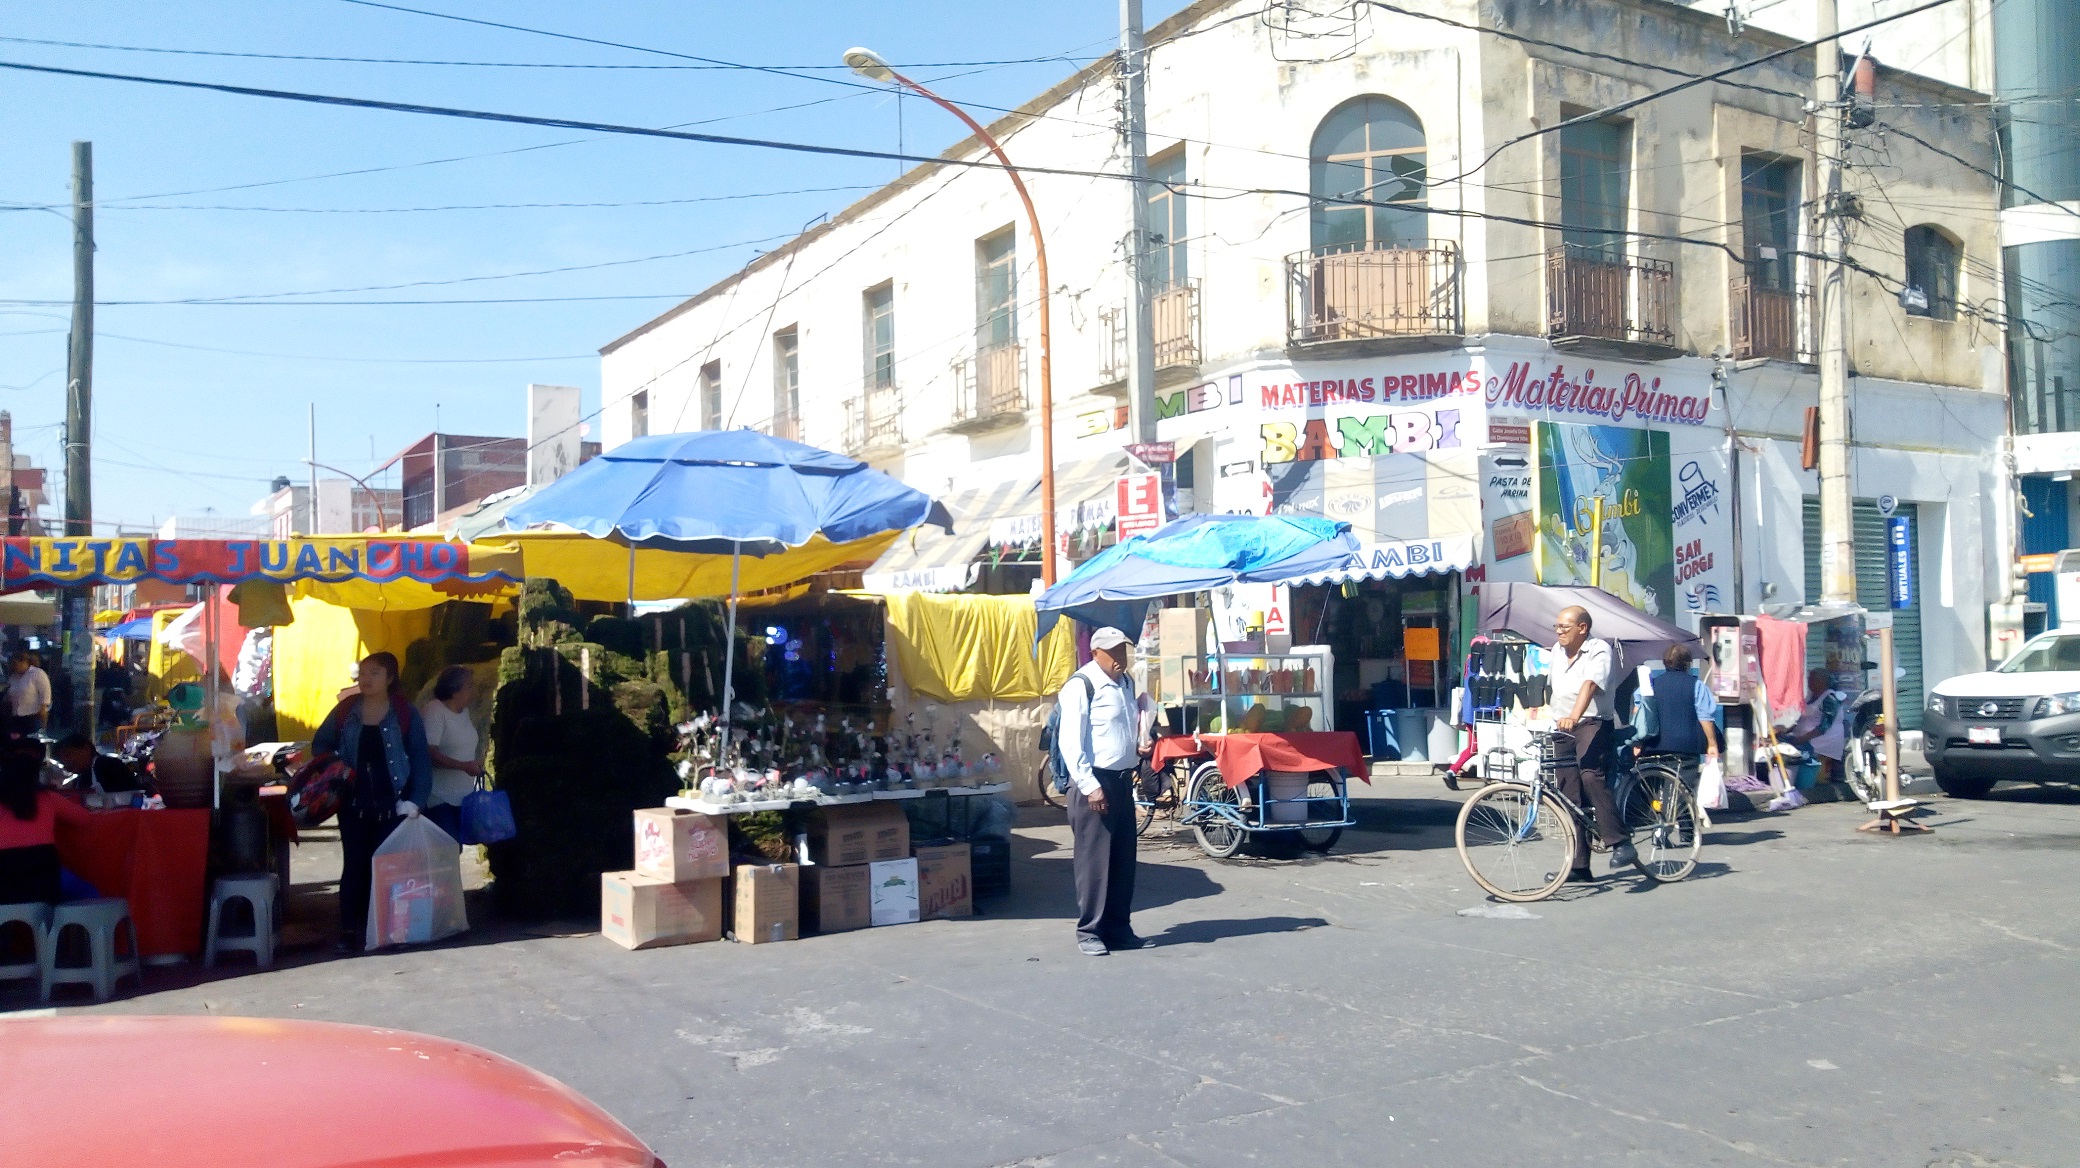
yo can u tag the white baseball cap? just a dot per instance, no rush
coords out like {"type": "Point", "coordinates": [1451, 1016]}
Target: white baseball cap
{"type": "Point", "coordinates": [1108, 637]}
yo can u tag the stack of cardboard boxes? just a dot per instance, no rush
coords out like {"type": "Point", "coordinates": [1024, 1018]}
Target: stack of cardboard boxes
{"type": "Point", "coordinates": [862, 872]}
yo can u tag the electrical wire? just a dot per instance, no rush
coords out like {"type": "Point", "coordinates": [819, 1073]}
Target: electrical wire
{"type": "Point", "coordinates": [492, 206]}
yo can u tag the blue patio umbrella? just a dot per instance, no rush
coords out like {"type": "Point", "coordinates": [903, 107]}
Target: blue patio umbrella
{"type": "Point", "coordinates": [725, 492]}
{"type": "Point", "coordinates": [1193, 554]}
{"type": "Point", "coordinates": [138, 629]}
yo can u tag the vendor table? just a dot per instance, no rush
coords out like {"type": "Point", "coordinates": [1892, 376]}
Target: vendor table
{"type": "Point", "coordinates": [157, 860]}
{"type": "Point", "coordinates": [1242, 757]}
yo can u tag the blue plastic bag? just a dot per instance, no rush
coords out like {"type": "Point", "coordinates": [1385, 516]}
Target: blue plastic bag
{"type": "Point", "coordinates": [487, 817]}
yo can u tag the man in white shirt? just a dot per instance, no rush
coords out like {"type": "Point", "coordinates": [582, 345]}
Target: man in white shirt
{"type": "Point", "coordinates": [1582, 703]}
{"type": "Point", "coordinates": [28, 694]}
{"type": "Point", "coordinates": [1100, 741]}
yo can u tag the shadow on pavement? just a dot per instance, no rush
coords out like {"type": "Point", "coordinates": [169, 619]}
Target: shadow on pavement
{"type": "Point", "coordinates": [1207, 932]}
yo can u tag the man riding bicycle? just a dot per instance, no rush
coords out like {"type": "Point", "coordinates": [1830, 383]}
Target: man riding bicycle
{"type": "Point", "coordinates": [1582, 695]}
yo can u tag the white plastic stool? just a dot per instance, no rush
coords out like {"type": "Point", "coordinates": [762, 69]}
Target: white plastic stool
{"type": "Point", "coordinates": [258, 893]}
{"type": "Point", "coordinates": [37, 916]}
{"type": "Point", "coordinates": [99, 919]}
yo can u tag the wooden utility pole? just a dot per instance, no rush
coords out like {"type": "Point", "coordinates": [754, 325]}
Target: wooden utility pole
{"type": "Point", "coordinates": [78, 617]}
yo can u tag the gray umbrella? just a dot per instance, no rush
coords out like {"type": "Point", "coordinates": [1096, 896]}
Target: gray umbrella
{"type": "Point", "coordinates": [1528, 610]}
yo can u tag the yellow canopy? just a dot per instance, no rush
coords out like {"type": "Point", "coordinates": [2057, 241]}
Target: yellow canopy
{"type": "Point", "coordinates": [597, 569]}
{"type": "Point", "coordinates": [312, 656]}
{"type": "Point", "coordinates": [958, 648]}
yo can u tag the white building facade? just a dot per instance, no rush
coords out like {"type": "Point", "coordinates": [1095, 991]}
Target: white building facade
{"type": "Point", "coordinates": [1386, 361]}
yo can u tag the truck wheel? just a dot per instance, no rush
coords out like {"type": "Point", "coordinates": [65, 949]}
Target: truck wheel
{"type": "Point", "coordinates": [1962, 786]}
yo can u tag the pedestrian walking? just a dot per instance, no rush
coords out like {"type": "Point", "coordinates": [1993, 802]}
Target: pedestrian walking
{"type": "Point", "coordinates": [382, 739]}
{"type": "Point", "coordinates": [1582, 696]}
{"type": "Point", "coordinates": [1100, 743]}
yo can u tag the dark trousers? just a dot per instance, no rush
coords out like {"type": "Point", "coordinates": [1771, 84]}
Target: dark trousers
{"type": "Point", "coordinates": [359, 837]}
{"type": "Point", "coordinates": [1104, 858]}
{"type": "Point", "coordinates": [1585, 784]}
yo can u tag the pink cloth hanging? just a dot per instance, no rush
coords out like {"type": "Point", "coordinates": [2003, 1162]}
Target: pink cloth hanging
{"type": "Point", "coordinates": [1783, 645]}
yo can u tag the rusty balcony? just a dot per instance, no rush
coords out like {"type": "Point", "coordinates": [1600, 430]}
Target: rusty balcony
{"type": "Point", "coordinates": [1623, 300]}
{"type": "Point", "coordinates": [1769, 322]}
{"type": "Point", "coordinates": [1174, 319]}
{"type": "Point", "coordinates": [874, 422]}
{"type": "Point", "coordinates": [1373, 294]}
{"type": "Point", "coordinates": [788, 426]}
{"type": "Point", "coordinates": [989, 392]}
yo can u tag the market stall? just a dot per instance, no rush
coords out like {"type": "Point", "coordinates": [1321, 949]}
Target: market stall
{"type": "Point", "coordinates": [158, 859]}
{"type": "Point", "coordinates": [1244, 773]}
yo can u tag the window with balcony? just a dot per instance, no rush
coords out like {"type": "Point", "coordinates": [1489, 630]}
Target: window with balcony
{"type": "Point", "coordinates": [639, 414]}
{"type": "Point", "coordinates": [1767, 321]}
{"type": "Point", "coordinates": [1597, 287]}
{"type": "Point", "coordinates": [787, 383]}
{"type": "Point", "coordinates": [1372, 270]}
{"type": "Point", "coordinates": [1931, 290]}
{"type": "Point", "coordinates": [878, 316]}
{"type": "Point", "coordinates": [1594, 184]}
{"type": "Point", "coordinates": [991, 390]}
{"type": "Point", "coordinates": [1166, 222]}
{"type": "Point", "coordinates": [711, 396]}
{"type": "Point", "coordinates": [996, 289]}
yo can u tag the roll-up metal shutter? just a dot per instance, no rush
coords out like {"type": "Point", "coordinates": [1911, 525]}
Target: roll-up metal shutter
{"type": "Point", "coordinates": [1873, 592]}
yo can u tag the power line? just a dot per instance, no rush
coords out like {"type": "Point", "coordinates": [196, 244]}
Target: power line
{"type": "Point", "coordinates": [354, 360]}
{"type": "Point", "coordinates": [1976, 169]}
{"type": "Point", "coordinates": [1058, 59]}
{"type": "Point", "coordinates": [487, 206]}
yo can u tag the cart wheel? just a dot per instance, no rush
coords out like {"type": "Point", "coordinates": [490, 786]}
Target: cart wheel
{"type": "Point", "coordinates": [1148, 787]}
{"type": "Point", "coordinates": [1324, 801]}
{"type": "Point", "coordinates": [1219, 837]}
{"type": "Point", "coordinates": [1044, 779]}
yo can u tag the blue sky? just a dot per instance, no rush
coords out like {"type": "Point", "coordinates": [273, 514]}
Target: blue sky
{"type": "Point", "coordinates": [198, 406]}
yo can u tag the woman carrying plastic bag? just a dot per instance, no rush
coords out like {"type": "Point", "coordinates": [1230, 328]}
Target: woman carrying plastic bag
{"type": "Point", "coordinates": [416, 887]}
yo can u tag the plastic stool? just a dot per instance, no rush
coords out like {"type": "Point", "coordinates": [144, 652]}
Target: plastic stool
{"type": "Point", "coordinates": [258, 893]}
{"type": "Point", "coordinates": [99, 918]}
{"type": "Point", "coordinates": [37, 916]}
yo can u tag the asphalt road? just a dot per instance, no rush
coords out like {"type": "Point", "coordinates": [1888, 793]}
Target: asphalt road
{"type": "Point", "coordinates": [1811, 997]}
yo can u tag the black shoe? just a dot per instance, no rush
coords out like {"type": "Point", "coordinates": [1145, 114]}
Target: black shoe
{"type": "Point", "coordinates": [1127, 941]}
{"type": "Point", "coordinates": [1091, 947]}
{"type": "Point", "coordinates": [1623, 855]}
{"type": "Point", "coordinates": [1581, 876]}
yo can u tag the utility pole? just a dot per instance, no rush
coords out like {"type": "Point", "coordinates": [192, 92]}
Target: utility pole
{"type": "Point", "coordinates": [313, 528]}
{"type": "Point", "coordinates": [1141, 333]}
{"type": "Point", "coordinates": [78, 616]}
{"type": "Point", "coordinates": [1837, 506]}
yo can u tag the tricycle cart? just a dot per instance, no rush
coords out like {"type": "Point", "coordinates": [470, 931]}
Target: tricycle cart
{"type": "Point", "coordinates": [1240, 785]}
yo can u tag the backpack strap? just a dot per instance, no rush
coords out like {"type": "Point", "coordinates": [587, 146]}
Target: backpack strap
{"type": "Point", "coordinates": [1090, 696]}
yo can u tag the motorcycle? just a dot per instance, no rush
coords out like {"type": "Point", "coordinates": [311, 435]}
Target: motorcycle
{"type": "Point", "coordinates": [1863, 750]}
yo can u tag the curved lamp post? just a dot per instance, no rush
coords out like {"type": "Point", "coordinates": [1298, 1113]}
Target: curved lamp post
{"type": "Point", "coordinates": [869, 65]}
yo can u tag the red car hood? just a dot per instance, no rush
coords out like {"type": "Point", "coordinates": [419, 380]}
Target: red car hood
{"type": "Point", "coordinates": [176, 1092]}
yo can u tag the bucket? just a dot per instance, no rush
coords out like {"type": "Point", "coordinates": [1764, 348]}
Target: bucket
{"type": "Point", "coordinates": [1412, 732]}
{"type": "Point", "coordinates": [1284, 785]}
{"type": "Point", "coordinates": [183, 769]}
{"type": "Point", "coordinates": [1444, 738]}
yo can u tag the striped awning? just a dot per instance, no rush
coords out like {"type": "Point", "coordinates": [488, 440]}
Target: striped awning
{"type": "Point", "coordinates": [1397, 558]}
{"type": "Point", "coordinates": [927, 559]}
{"type": "Point", "coordinates": [1084, 498]}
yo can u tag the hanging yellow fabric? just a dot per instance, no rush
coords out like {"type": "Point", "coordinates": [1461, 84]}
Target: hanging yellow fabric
{"type": "Point", "coordinates": [959, 648]}
{"type": "Point", "coordinates": [312, 656]}
{"type": "Point", "coordinates": [597, 569]}
{"type": "Point", "coordinates": [167, 666]}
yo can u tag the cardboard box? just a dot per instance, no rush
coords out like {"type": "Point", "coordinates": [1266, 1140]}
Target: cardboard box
{"type": "Point", "coordinates": [643, 912]}
{"type": "Point", "coordinates": [892, 889]}
{"type": "Point", "coordinates": [859, 833]}
{"type": "Point", "coordinates": [943, 885]}
{"type": "Point", "coordinates": [675, 845]}
{"type": "Point", "coordinates": [1182, 634]}
{"type": "Point", "coordinates": [835, 900]}
{"type": "Point", "coordinates": [768, 903]}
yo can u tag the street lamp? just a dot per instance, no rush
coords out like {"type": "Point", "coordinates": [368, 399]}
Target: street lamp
{"type": "Point", "coordinates": [869, 65]}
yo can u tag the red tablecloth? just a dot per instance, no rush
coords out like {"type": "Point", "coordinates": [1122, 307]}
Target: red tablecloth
{"type": "Point", "coordinates": [157, 860]}
{"type": "Point", "coordinates": [1244, 756]}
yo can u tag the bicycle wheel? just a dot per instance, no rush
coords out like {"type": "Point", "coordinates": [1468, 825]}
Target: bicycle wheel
{"type": "Point", "coordinates": [1209, 799]}
{"type": "Point", "coordinates": [1044, 778]}
{"type": "Point", "coordinates": [1663, 822]}
{"type": "Point", "coordinates": [1325, 802]}
{"type": "Point", "coordinates": [1148, 792]}
{"type": "Point", "coordinates": [1516, 849]}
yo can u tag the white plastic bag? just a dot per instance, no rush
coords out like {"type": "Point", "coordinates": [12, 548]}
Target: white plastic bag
{"type": "Point", "coordinates": [1711, 784]}
{"type": "Point", "coordinates": [416, 894]}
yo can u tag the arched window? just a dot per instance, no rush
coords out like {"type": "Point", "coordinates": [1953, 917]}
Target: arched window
{"type": "Point", "coordinates": [1368, 148]}
{"type": "Point", "coordinates": [1931, 289]}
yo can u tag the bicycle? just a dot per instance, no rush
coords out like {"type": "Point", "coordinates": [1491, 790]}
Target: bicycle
{"type": "Point", "coordinates": [1517, 837]}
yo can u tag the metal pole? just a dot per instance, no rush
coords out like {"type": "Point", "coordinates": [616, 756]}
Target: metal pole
{"type": "Point", "coordinates": [313, 528]}
{"type": "Point", "coordinates": [1047, 536]}
{"type": "Point", "coordinates": [1596, 544]}
{"type": "Point", "coordinates": [729, 656]}
{"type": "Point", "coordinates": [1837, 507]}
{"type": "Point", "coordinates": [78, 616]}
{"type": "Point", "coordinates": [1141, 334]}
{"type": "Point", "coordinates": [1733, 482]}
{"type": "Point", "coordinates": [1888, 687]}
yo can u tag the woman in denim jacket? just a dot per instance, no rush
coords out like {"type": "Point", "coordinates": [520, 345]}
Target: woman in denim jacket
{"type": "Point", "coordinates": [381, 739]}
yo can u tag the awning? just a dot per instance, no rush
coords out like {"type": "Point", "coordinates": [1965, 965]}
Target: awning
{"type": "Point", "coordinates": [1084, 498]}
{"type": "Point", "coordinates": [927, 559]}
{"type": "Point", "coordinates": [1398, 558]}
{"type": "Point", "coordinates": [28, 609]}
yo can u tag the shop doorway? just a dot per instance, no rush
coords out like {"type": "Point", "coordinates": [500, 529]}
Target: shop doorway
{"type": "Point", "coordinates": [1393, 641]}
{"type": "Point", "coordinates": [1873, 591]}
